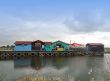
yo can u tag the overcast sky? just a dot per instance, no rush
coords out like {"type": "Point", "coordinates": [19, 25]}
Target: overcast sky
{"type": "Point", "coordinates": [81, 21]}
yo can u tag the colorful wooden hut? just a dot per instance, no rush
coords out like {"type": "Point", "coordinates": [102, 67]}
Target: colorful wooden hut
{"type": "Point", "coordinates": [57, 46]}
{"type": "Point", "coordinates": [23, 46]}
{"type": "Point", "coordinates": [38, 45]}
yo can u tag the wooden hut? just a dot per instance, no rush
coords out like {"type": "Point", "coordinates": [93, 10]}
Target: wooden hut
{"type": "Point", "coordinates": [23, 46]}
{"type": "Point", "coordinates": [57, 46]}
{"type": "Point", "coordinates": [95, 48]}
{"type": "Point", "coordinates": [37, 45]}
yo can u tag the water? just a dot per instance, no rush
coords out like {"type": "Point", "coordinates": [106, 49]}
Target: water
{"type": "Point", "coordinates": [81, 68]}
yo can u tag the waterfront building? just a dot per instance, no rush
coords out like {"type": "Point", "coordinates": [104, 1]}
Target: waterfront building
{"type": "Point", "coordinates": [57, 46]}
{"type": "Point", "coordinates": [23, 46]}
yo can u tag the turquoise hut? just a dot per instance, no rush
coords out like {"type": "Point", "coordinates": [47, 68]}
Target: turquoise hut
{"type": "Point", "coordinates": [57, 46]}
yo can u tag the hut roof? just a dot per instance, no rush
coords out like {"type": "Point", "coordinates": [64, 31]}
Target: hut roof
{"type": "Point", "coordinates": [76, 44]}
{"type": "Point", "coordinates": [94, 44]}
{"type": "Point", "coordinates": [60, 42]}
{"type": "Point", "coordinates": [39, 41]}
{"type": "Point", "coordinates": [49, 43]}
{"type": "Point", "coordinates": [23, 42]}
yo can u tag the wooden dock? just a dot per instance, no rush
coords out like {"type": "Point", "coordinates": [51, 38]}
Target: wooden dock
{"type": "Point", "coordinates": [18, 54]}
{"type": "Point", "coordinates": [14, 54]}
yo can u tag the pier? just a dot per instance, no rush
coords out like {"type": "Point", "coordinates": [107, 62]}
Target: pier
{"type": "Point", "coordinates": [20, 54]}
{"type": "Point", "coordinates": [14, 54]}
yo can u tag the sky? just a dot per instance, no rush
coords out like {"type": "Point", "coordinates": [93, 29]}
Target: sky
{"type": "Point", "coordinates": [80, 21]}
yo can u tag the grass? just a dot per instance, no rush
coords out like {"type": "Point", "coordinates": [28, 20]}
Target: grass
{"type": "Point", "coordinates": [107, 50]}
{"type": "Point", "coordinates": [2, 76]}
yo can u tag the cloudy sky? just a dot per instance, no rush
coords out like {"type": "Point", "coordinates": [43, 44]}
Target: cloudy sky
{"type": "Point", "coordinates": [81, 21]}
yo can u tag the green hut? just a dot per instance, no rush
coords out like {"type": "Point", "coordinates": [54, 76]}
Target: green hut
{"type": "Point", "coordinates": [57, 46]}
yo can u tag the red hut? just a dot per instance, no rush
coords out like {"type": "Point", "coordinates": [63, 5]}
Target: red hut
{"type": "Point", "coordinates": [76, 45]}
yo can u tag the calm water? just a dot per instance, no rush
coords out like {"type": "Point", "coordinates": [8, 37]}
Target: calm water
{"type": "Point", "coordinates": [80, 68]}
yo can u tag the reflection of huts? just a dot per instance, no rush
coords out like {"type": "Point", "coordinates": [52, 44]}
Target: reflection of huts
{"type": "Point", "coordinates": [57, 46]}
{"type": "Point", "coordinates": [36, 63]}
{"type": "Point", "coordinates": [22, 63]}
{"type": "Point", "coordinates": [23, 46]}
{"type": "Point", "coordinates": [37, 45]}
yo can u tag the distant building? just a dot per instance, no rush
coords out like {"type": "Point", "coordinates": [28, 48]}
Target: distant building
{"type": "Point", "coordinates": [95, 47]}
{"type": "Point", "coordinates": [23, 46]}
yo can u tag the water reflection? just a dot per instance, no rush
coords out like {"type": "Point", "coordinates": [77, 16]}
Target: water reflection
{"type": "Point", "coordinates": [38, 63]}
{"type": "Point", "coordinates": [80, 68]}
{"type": "Point", "coordinates": [22, 63]}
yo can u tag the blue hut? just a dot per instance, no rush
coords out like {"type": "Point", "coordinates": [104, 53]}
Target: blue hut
{"type": "Point", "coordinates": [23, 46]}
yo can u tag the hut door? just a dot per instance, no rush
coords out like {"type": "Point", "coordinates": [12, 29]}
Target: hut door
{"type": "Point", "coordinates": [38, 46]}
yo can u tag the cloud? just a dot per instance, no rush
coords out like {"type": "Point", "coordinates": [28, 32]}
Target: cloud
{"type": "Point", "coordinates": [78, 29]}
{"type": "Point", "coordinates": [84, 38]}
{"type": "Point", "coordinates": [13, 28]}
{"type": "Point", "coordinates": [89, 23]}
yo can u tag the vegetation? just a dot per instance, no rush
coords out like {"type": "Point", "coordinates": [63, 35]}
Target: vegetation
{"type": "Point", "coordinates": [107, 50]}
{"type": "Point", "coordinates": [7, 48]}
{"type": "Point", "coordinates": [2, 76]}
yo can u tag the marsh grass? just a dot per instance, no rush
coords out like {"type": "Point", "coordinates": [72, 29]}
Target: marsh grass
{"type": "Point", "coordinates": [2, 77]}
{"type": "Point", "coordinates": [107, 50]}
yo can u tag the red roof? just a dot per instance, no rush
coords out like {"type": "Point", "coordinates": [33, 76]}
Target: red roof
{"type": "Point", "coordinates": [48, 43]}
{"type": "Point", "coordinates": [38, 41]}
{"type": "Point", "coordinates": [23, 42]}
{"type": "Point", "coordinates": [76, 44]}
